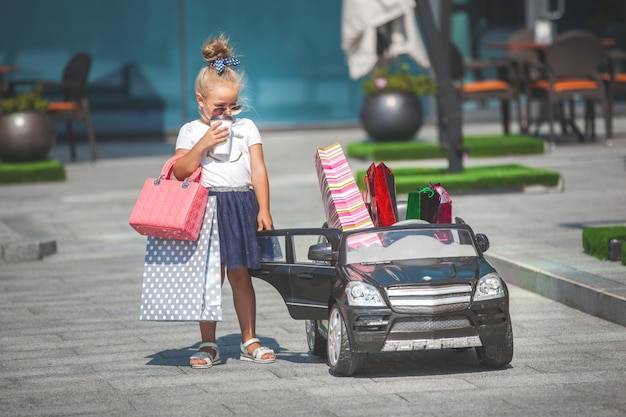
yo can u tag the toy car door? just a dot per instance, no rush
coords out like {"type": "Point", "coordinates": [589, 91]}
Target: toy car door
{"type": "Point", "coordinates": [301, 268]}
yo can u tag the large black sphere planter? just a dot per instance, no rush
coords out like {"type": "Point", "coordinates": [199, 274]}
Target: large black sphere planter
{"type": "Point", "coordinates": [25, 136]}
{"type": "Point", "coordinates": [392, 117]}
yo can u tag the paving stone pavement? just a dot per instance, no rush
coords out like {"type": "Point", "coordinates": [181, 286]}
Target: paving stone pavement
{"type": "Point", "coordinates": [71, 342]}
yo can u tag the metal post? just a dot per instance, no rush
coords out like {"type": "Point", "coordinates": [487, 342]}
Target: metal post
{"type": "Point", "coordinates": [182, 51]}
{"type": "Point", "coordinates": [449, 111]}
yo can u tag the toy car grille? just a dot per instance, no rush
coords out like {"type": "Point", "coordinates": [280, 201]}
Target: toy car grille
{"type": "Point", "coordinates": [427, 324]}
{"type": "Point", "coordinates": [431, 299]}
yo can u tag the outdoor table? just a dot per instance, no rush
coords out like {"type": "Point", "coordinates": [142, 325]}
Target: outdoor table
{"type": "Point", "coordinates": [537, 46]}
{"type": "Point", "coordinates": [568, 123]}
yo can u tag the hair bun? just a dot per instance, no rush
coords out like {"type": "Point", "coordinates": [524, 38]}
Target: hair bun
{"type": "Point", "coordinates": [216, 48]}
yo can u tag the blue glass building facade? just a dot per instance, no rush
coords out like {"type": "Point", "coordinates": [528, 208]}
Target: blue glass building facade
{"type": "Point", "coordinates": [146, 53]}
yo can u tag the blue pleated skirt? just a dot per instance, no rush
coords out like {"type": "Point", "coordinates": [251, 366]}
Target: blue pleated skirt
{"type": "Point", "coordinates": [237, 213]}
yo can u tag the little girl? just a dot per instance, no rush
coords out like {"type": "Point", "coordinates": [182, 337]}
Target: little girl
{"type": "Point", "coordinates": [239, 183]}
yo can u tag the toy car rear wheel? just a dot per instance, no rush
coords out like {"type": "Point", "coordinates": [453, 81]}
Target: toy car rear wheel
{"type": "Point", "coordinates": [317, 343]}
{"type": "Point", "coordinates": [341, 359]}
{"type": "Point", "coordinates": [497, 355]}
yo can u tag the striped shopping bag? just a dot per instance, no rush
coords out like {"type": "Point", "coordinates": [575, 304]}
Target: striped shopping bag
{"type": "Point", "coordinates": [343, 202]}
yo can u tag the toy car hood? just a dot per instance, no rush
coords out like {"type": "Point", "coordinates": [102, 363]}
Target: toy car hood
{"type": "Point", "coordinates": [415, 271]}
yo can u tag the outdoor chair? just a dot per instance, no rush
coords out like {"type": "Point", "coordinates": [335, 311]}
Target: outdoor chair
{"type": "Point", "coordinates": [525, 62]}
{"type": "Point", "coordinates": [5, 69]}
{"type": "Point", "coordinates": [73, 104]}
{"type": "Point", "coordinates": [497, 88]}
{"type": "Point", "coordinates": [571, 64]}
{"type": "Point", "coordinates": [518, 55]}
{"type": "Point", "coordinates": [615, 77]}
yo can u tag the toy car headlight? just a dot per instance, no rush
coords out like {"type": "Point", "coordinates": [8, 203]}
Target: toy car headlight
{"type": "Point", "coordinates": [362, 294]}
{"type": "Point", "coordinates": [489, 287]}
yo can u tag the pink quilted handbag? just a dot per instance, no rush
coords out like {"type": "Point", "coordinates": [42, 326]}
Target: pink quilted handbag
{"type": "Point", "coordinates": [170, 209]}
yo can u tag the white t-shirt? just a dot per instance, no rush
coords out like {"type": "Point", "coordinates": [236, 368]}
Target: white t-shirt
{"type": "Point", "coordinates": [232, 171]}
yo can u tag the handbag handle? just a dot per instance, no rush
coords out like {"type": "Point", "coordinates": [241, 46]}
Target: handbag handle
{"type": "Point", "coordinates": [365, 189]}
{"type": "Point", "coordinates": [166, 172]}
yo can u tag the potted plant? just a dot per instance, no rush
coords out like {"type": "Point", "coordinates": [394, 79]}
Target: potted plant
{"type": "Point", "coordinates": [392, 109]}
{"type": "Point", "coordinates": [26, 130]}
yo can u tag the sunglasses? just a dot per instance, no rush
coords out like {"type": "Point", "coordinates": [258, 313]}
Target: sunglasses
{"type": "Point", "coordinates": [234, 110]}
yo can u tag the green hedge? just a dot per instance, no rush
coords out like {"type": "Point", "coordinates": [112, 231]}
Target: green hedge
{"type": "Point", "coordinates": [596, 240]}
{"type": "Point", "coordinates": [477, 146]}
{"type": "Point", "coordinates": [497, 177]}
{"type": "Point", "coordinates": [21, 172]}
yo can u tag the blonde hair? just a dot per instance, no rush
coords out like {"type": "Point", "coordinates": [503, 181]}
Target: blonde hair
{"type": "Point", "coordinates": [208, 77]}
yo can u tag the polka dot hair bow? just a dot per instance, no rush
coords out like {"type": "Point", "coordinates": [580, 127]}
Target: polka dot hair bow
{"type": "Point", "coordinates": [220, 63]}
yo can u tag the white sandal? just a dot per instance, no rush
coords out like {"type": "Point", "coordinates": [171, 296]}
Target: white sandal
{"type": "Point", "coordinates": [206, 356]}
{"type": "Point", "coordinates": [257, 355]}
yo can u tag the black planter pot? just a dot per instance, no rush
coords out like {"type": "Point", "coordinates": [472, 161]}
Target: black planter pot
{"type": "Point", "coordinates": [25, 136]}
{"type": "Point", "coordinates": [392, 116]}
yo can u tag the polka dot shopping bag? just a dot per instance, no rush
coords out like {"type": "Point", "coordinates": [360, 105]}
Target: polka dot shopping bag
{"type": "Point", "coordinates": [181, 278]}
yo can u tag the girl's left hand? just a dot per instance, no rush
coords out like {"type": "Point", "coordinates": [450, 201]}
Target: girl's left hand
{"type": "Point", "coordinates": [264, 220]}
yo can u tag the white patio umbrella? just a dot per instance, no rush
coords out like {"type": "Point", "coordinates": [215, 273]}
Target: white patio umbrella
{"type": "Point", "coordinates": [375, 32]}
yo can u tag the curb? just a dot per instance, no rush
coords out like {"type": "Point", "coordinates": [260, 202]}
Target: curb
{"type": "Point", "coordinates": [19, 244]}
{"type": "Point", "coordinates": [26, 251]}
{"type": "Point", "coordinates": [580, 290]}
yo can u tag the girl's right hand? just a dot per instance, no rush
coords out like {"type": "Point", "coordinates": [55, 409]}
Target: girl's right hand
{"type": "Point", "coordinates": [215, 135]}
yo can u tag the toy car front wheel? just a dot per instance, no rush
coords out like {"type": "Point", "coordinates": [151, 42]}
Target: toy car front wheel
{"type": "Point", "coordinates": [341, 359]}
{"type": "Point", "coordinates": [316, 342]}
{"type": "Point", "coordinates": [497, 355]}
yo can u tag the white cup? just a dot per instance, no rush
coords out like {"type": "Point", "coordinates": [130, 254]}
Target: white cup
{"type": "Point", "coordinates": [223, 148]}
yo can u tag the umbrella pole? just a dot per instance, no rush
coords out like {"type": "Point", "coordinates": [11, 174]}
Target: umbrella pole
{"type": "Point", "coordinates": [449, 112]}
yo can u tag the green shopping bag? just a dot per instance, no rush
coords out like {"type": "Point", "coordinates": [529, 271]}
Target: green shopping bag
{"type": "Point", "coordinates": [414, 202]}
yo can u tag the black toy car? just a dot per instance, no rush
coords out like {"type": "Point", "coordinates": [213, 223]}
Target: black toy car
{"type": "Point", "coordinates": [411, 286]}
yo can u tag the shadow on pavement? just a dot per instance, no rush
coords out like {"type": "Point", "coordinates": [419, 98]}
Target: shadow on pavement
{"type": "Point", "coordinates": [229, 350]}
{"type": "Point", "coordinates": [424, 363]}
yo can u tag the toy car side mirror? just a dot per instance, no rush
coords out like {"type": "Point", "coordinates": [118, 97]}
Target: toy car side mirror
{"type": "Point", "coordinates": [483, 242]}
{"type": "Point", "coordinates": [321, 252]}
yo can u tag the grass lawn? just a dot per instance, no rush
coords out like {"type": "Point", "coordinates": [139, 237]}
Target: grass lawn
{"type": "Point", "coordinates": [596, 240]}
{"type": "Point", "coordinates": [510, 177]}
{"type": "Point", "coordinates": [478, 146]}
{"type": "Point", "coordinates": [21, 172]}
